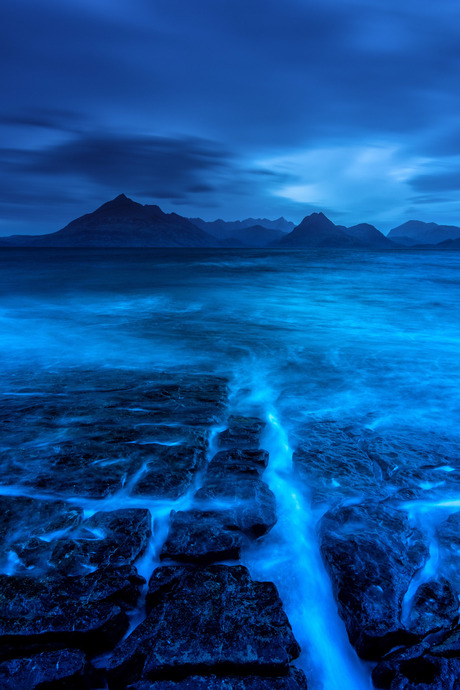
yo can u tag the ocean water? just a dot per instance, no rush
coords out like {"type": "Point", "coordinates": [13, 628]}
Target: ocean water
{"type": "Point", "coordinates": [353, 335]}
{"type": "Point", "coordinates": [369, 339]}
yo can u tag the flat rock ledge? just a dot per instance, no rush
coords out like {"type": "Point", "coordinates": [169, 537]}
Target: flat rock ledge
{"type": "Point", "coordinates": [394, 565]}
{"type": "Point", "coordinates": [294, 680]}
{"type": "Point", "coordinates": [205, 621]}
{"type": "Point", "coordinates": [92, 465]}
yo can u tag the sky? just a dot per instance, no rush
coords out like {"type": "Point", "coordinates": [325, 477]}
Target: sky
{"type": "Point", "coordinates": [229, 109]}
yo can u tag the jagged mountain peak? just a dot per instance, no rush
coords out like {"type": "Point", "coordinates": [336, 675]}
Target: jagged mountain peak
{"type": "Point", "coordinates": [317, 218]}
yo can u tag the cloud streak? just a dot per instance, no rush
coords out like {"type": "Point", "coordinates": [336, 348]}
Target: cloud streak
{"type": "Point", "coordinates": [181, 102]}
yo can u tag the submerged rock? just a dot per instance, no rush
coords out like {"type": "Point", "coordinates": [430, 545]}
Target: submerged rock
{"type": "Point", "coordinates": [199, 536]}
{"type": "Point", "coordinates": [255, 506]}
{"type": "Point", "coordinates": [295, 680]}
{"type": "Point", "coordinates": [111, 538]}
{"type": "Point", "coordinates": [191, 400]}
{"type": "Point", "coordinates": [108, 538]}
{"type": "Point", "coordinates": [331, 462]}
{"type": "Point", "coordinates": [435, 606]}
{"type": "Point", "coordinates": [81, 468]}
{"type": "Point", "coordinates": [416, 462]}
{"type": "Point", "coordinates": [372, 554]}
{"type": "Point", "coordinates": [87, 433]}
{"type": "Point", "coordinates": [85, 612]}
{"type": "Point", "coordinates": [204, 621]}
{"type": "Point", "coordinates": [241, 507]}
{"type": "Point", "coordinates": [449, 646]}
{"type": "Point", "coordinates": [62, 669]}
{"type": "Point", "coordinates": [169, 471]}
{"type": "Point", "coordinates": [417, 669]}
{"type": "Point", "coordinates": [237, 462]}
{"type": "Point", "coordinates": [26, 523]}
{"type": "Point", "coordinates": [448, 535]}
{"type": "Point", "coordinates": [242, 432]}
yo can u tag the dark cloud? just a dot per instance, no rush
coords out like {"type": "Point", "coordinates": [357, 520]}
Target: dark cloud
{"type": "Point", "coordinates": [439, 144]}
{"type": "Point", "coordinates": [101, 165]}
{"type": "Point", "coordinates": [448, 181]}
{"type": "Point", "coordinates": [429, 199]}
{"type": "Point", "coordinates": [95, 92]}
{"type": "Point", "coordinates": [167, 167]}
{"type": "Point", "coordinates": [61, 120]}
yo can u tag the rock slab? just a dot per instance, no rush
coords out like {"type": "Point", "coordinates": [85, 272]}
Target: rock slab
{"type": "Point", "coordinates": [203, 621]}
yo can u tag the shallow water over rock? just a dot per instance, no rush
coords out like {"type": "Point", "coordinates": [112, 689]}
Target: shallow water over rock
{"type": "Point", "coordinates": [168, 418]}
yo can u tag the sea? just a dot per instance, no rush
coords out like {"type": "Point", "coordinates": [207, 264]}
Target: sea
{"type": "Point", "coordinates": [369, 339]}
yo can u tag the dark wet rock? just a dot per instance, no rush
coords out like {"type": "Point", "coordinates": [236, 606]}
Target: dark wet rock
{"type": "Point", "coordinates": [113, 538]}
{"type": "Point", "coordinates": [448, 535]}
{"type": "Point", "coordinates": [119, 585]}
{"type": "Point", "coordinates": [330, 461]}
{"type": "Point", "coordinates": [435, 606]}
{"type": "Point", "coordinates": [449, 646]}
{"type": "Point", "coordinates": [237, 462]}
{"type": "Point", "coordinates": [295, 680]}
{"type": "Point", "coordinates": [426, 463]}
{"type": "Point", "coordinates": [68, 556]}
{"type": "Point", "coordinates": [242, 432]}
{"type": "Point", "coordinates": [192, 400]}
{"type": "Point", "coordinates": [204, 621]}
{"type": "Point", "coordinates": [79, 467]}
{"type": "Point", "coordinates": [372, 553]}
{"type": "Point", "coordinates": [109, 538]}
{"type": "Point", "coordinates": [32, 553]}
{"type": "Point", "coordinates": [254, 503]}
{"type": "Point", "coordinates": [57, 670]}
{"type": "Point", "coordinates": [342, 462]}
{"type": "Point", "coordinates": [84, 468]}
{"type": "Point", "coordinates": [147, 433]}
{"type": "Point", "coordinates": [98, 470]}
{"type": "Point", "coordinates": [126, 534]}
{"type": "Point", "coordinates": [241, 506]}
{"type": "Point", "coordinates": [405, 495]}
{"type": "Point", "coordinates": [25, 522]}
{"type": "Point", "coordinates": [199, 536]}
{"type": "Point", "coordinates": [84, 611]}
{"type": "Point", "coordinates": [417, 668]}
{"type": "Point", "coordinates": [62, 438]}
{"type": "Point", "coordinates": [169, 471]}
{"type": "Point", "coordinates": [34, 515]}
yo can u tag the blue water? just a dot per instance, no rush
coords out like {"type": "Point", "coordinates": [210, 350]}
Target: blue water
{"type": "Point", "coordinates": [364, 338]}
{"type": "Point", "coordinates": [354, 334]}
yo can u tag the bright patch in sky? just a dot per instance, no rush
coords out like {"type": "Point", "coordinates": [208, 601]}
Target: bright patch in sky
{"type": "Point", "coordinates": [348, 108]}
{"type": "Point", "coordinates": [360, 179]}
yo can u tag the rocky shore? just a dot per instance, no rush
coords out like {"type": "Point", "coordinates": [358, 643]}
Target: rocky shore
{"type": "Point", "coordinates": [390, 543]}
{"type": "Point", "coordinates": [124, 509]}
{"type": "Point", "coordinates": [127, 501]}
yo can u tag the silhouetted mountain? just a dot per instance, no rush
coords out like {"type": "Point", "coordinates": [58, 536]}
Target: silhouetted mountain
{"type": "Point", "coordinates": [418, 232]}
{"type": "Point", "coordinates": [369, 235]}
{"type": "Point", "coordinates": [223, 229]}
{"type": "Point", "coordinates": [256, 236]}
{"type": "Point", "coordinates": [449, 244]}
{"type": "Point", "coordinates": [123, 223]}
{"type": "Point", "coordinates": [317, 231]}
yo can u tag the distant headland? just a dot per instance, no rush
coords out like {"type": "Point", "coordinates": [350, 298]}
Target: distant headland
{"type": "Point", "coordinates": [123, 222]}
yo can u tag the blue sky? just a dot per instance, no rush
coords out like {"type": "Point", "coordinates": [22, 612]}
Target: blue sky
{"type": "Point", "coordinates": [230, 108]}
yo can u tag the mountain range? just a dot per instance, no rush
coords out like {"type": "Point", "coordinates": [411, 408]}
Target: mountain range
{"type": "Point", "coordinates": [417, 232]}
{"type": "Point", "coordinates": [123, 222]}
{"type": "Point", "coordinates": [316, 230]}
{"type": "Point", "coordinates": [254, 232]}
